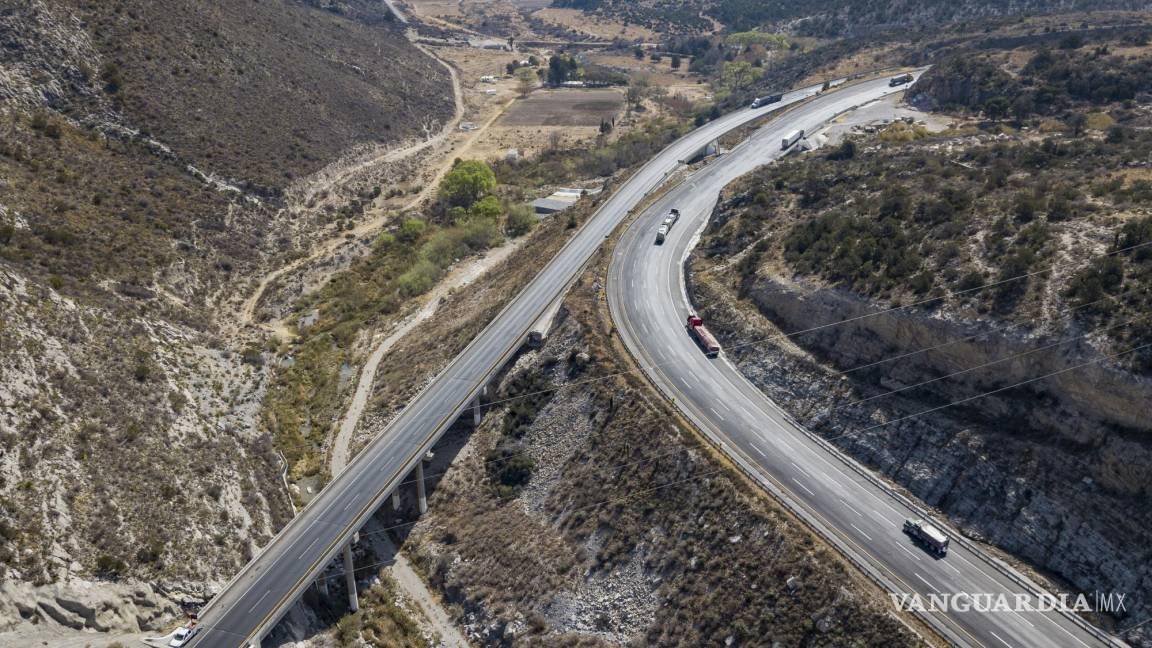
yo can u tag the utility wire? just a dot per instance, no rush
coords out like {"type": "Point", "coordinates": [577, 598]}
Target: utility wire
{"type": "Point", "coordinates": [568, 511]}
{"type": "Point", "coordinates": [987, 364]}
{"type": "Point", "coordinates": [989, 393]}
{"type": "Point", "coordinates": [929, 300]}
{"type": "Point", "coordinates": [974, 336]}
{"type": "Point", "coordinates": [706, 473]}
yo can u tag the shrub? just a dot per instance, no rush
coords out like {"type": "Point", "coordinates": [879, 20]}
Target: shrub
{"type": "Point", "coordinates": [419, 279]}
{"type": "Point", "coordinates": [521, 220]}
{"type": "Point", "coordinates": [443, 248]}
{"type": "Point", "coordinates": [411, 230]}
{"type": "Point", "coordinates": [110, 567]}
{"type": "Point", "coordinates": [1103, 276]}
{"type": "Point", "coordinates": [488, 207]}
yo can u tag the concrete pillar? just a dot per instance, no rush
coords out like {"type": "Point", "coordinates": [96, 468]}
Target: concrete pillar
{"type": "Point", "coordinates": [421, 497]}
{"type": "Point", "coordinates": [396, 499]}
{"type": "Point", "coordinates": [476, 412]}
{"type": "Point", "coordinates": [350, 578]}
{"type": "Point", "coordinates": [322, 586]}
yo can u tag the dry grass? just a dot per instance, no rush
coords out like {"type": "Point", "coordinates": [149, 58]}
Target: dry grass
{"type": "Point", "coordinates": [566, 107]}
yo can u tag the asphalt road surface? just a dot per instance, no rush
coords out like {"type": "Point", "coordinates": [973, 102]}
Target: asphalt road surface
{"type": "Point", "coordinates": [251, 604]}
{"type": "Point", "coordinates": [646, 292]}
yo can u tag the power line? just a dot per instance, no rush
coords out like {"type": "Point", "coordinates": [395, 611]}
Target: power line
{"type": "Point", "coordinates": [778, 336]}
{"type": "Point", "coordinates": [691, 478]}
{"type": "Point", "coordinates": [989, 393]}
{"type": "Point", "coordinates": [1012, 356]}
{"type": "Point", "coordinates": [509, 457]}
{"type": "Point", "coordinates": [975, 336]}
{"type": "Point", "coordinates": [928, 300]}
{"type": "Point", "coordinates": [703, 474]}
{"type": "Point", "coordinates": [873, 427]}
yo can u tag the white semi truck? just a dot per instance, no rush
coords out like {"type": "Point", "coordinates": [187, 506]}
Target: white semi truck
{"type": "Point", "coordinates": [792, 138]}
{"type": "Point", "coordinates": [666, 226]}
{"type": "Point", "coordinates": [927, 536]}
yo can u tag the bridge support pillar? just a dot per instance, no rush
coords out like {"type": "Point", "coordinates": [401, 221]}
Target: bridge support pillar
{"type": "Point", "coordinates": [396, 499]}
{"type": "Point", "coordinates": [350, 578]}
{"type": "Point", "coordinates": [476, 414]}
{"type": "Point", "coordinates": [421, 496]}
{"type": "Point", "coordinates": [322, 586]}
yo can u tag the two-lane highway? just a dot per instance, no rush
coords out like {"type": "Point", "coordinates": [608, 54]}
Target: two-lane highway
{"type": "Point", "coordinates": [248, 606]}
{"type": "Point", "coordinates": [647, 296]}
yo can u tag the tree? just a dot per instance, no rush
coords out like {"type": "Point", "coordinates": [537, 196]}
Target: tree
{"type": "Point", "coordinates": [467, 182]}
{"type": "Point", "coordinates": [638, 89]}
{"type": "Point", "coordinates": [675, 61]}
{"type": "Point", "coordinates": [525, 81]}
{"type": "Point", "coordinates": [738, 76]}
{"type": "Point", "coordinates": [561, 68]}
{"type": "Point", "coordinates": [997, 108]}
{"type": "Point", "coordinates": [1077, 122]}
{"type": "Point", "coordinates": [638, 52]}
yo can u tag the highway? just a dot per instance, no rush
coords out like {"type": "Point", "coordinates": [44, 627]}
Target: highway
{"type": "Point", "coordinates": [850, 507]}
{"type": "Point", "coordinates": [251, 604]}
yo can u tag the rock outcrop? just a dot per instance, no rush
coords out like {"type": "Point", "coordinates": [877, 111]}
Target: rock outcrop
{"type": "Point", "coordinates": [79, 605]}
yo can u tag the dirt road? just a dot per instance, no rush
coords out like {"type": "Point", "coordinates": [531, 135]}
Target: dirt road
{"type": "Point", "coordinates": [327, 248]}
{"type": "Point", "coordinates": [462, 275]}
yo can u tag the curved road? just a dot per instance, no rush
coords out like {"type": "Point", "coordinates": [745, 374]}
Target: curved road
{"type": "Point", "coordinates": [248, 606]}
{"type": "Point", "coordinates": [855, 511]}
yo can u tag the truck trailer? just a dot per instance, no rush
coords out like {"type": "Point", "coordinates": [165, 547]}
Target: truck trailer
{"type": "Point", "coordinates": [899, 80]}
{"type": "Point", "coordinates": [702, 336]}
{"type": "Point", "coordinates": [666, 226]}
{"type": "Point", "coordinates": [760, 102]}
{"type": "Point", "coordinates": [927, 536]}
{"type": "Point", "coordinates": [792, 138]}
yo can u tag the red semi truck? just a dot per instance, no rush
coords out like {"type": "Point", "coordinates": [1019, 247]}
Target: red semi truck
{"type": "Point", "coordinates": [702, 336]}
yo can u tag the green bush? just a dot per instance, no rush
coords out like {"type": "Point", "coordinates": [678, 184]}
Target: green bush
{"type": "Point", "coordinates": [467, 182]}
{"type": "Point", "coordinates": [444, 247]}
{"type": "Point", "coordinates": [488, 207]}
{"type": "Point", "coordinates": [419, 279]}
{"type": "Point", "coordinates": [521, 220]}
{"type": "Point", "coordinates": [110, 567]}
{"type": "Point", "coordinates": [411, 230]}
{"type": "Point", "coordinates": [479, 234]}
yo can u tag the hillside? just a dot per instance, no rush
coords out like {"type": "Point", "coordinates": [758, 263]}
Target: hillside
{"type": "Point", "coordinates": [146, 151]}
{"type": "Point", "coordinates": [207, 79]}
{"type": "Point", "coordinates": [995, 277]}
{"type": "Point", "coordinates": [823, 18]}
